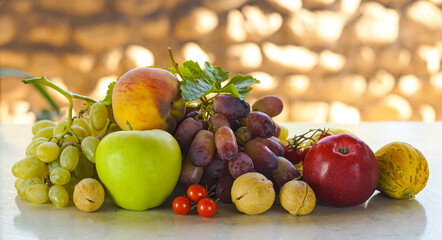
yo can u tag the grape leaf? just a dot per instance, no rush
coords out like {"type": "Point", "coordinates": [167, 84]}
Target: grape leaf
{"type": "Point", "coordinates": [191, 90]}
{"type": "Point", "coordinates": [197, 83]}
{"type": "Point", "coordinates": [110, 88]}
{"type": "Point", "coordinates": [242, 84]}
{"type": "Point", "coordinates": [216, 73]}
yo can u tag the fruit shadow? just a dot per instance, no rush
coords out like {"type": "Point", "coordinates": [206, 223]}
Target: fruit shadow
{"type": "Point", "coordinates": [384, 216]}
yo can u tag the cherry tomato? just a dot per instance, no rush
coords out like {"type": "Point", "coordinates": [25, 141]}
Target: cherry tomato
{"type": "Point", "coordinates": [181, 205]}
{"type": "Point", "coordinates": [292, 155]}
{"type": "Point", "coordinates": [327, 134]}
{"type": "Point", "coordinates": [304, 152]}
{"type": "Point", "coordinates": [206, 207]}
{"type": "Point", "coordinates": [196, 192]}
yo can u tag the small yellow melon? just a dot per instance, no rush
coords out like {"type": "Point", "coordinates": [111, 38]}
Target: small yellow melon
{"type": "Point", "coordinates": [403, 170]}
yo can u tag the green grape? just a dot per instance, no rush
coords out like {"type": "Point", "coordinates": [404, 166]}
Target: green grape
{"type": "Point", "coordinates": [65, 145]}
{"type": "Point", "coordinates": [60, 127]}
{"type": "Point", "coordinates": [58, 196]}
{"type": "Point", "coordinates": [60, 176]}
{"type": "Point", "coordinates": [70, 186]}
{"type": "Point", "coordinates": [46, 132]}
{"type": "Point", "coordinates": [69, 158]}
{"type": "Point", "coordinates": [18, 183]}
{"type": "Point", "coordinates": [89, 146]}
{"type": "Point", "coordinates": [28, 182]}
{"type": "Point", "coordinates": [55, 138]}
{"type": "Point", "coordinates": [48, 151]}
{"type": "Point", "coordinates": [96, 133]}
{"type": "Point", "coordinates": [80, 132]}
{"type": "Point", "coordinates": [39, 139]}
{"type": "Point", "coordinates": [69, 139]}
{"type": "Point", "coordinates": [98, 115]}
{"type": "Point", "coordinates": [31, 149]}
{"type": "Point", "coordinates": [53, 165]}
{"type": "Point", "coordinates": [38, 193]}
{"type": "Point", "coordinates": [41, 124]}
{"type": "Point", "coordinates": [85, 168]}
{"type": "Point", "coordinates": [83, 123]}
{"type": "Point", "coordinates": [29, 167]}
{"type": "Point", "coordinates": [101, 136]}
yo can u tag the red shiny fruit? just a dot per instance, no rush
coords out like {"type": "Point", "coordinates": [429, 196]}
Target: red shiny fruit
{"type": "Point", "coordinates": [181, 205]}
{"type": "Point", "coordinates": [196, 192]}
{"type": "Point", "coordinates": [206, 207]}
{"type": "Point", "coordinates": [342, 171]}
{"type": "Point", "coordinates": [292, 155]}
{"type": "Point", "coordinates": [327, 134]}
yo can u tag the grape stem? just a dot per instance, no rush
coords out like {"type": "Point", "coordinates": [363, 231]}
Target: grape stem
{"type": "Point", "coordinates": [205, 105]}
{"type": "Point", "coordinates": [70, 96]}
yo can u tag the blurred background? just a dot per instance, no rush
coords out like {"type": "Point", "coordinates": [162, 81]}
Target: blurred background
{"type": "Point", "coordinates": [339, 61]}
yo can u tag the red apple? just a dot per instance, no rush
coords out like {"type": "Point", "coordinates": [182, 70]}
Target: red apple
{"type": "Point", "coordinates": [342, 170]}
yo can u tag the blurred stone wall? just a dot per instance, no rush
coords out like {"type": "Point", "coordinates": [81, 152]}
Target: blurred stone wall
{"type": "Point", "coordinates": [329, 60]}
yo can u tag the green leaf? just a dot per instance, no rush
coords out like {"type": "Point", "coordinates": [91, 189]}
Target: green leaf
{"type": "Point", "coordinates": [242, 84]}
{"type": "Point", "coordinates": [216, 73]}
{"type": "Point", "coordinates": [110, 88]}
{"type": "Point", "coordinates": [192, 68]}
{"type": "Point", "coordinates": [230, 88]}
{"type": "Point", "coordinates": [191, 90]}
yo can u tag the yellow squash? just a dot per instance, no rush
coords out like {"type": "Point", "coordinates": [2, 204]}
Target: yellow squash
{"type": "Point", "coordinates": [403, 170]}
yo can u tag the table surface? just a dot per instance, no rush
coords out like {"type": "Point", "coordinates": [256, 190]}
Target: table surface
{"type": "Point", "coordinates": [379, 218]}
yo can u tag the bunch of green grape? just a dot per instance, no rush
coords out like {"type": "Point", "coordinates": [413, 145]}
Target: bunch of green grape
{"type": "Point", "coordinates": [59, 156]}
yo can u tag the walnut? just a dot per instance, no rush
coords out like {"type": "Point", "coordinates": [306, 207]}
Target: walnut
{"type": "Point", "coordinates": [252, 193]}
{"type": "Point", "coordinates": [88, 195]}
{"type": "Point", "coordinates": [297, 198]}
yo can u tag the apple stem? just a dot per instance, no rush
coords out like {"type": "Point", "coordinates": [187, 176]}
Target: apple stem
{"type": "Point", "coordinates": [343, 150]}
{"type": "Point", "coordinates": [70, 97]}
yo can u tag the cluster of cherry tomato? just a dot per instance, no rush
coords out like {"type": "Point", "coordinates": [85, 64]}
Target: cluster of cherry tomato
{"type": "Point", "coordinates": [198, 195]}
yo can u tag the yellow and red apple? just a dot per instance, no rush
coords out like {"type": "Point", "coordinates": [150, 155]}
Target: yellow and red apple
{"type": "Point", "coordinates": [147, 98]}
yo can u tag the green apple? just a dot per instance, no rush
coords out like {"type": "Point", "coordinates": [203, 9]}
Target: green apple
{"type": "Point", "coordinates": [139, 169]}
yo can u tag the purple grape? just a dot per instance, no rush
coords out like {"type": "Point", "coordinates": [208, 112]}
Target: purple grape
{"type": "Point", "coordinates": [231, 107]}
{"type": "Point", "coordinates": [285, 171]}
{"type": "Point", "coordinates": [276, 186]}
{"type": "Point", "coordinates": [192, 114]}
{"type": "Point", "coordinates": [261, 125]}
{"type": "Point", "coordinates": [186, 132]}
{"type": "Point", "coordinates": [234, 125]}
{"type": "Point", "coordinates": [217, 167]}
{"type": "Point", "coordinates": [202, 149]}
{"type": "Point", "coordinates": [264, 160]}
{"type": "Point", "coordinates": [218, 120]}
{"type": "Point", "coordinates": [204, 123]}
{"type": "Point", "coordinates": [277, 149]}
{"type": "Point", "coordinates": [243, 135]}
{"type": "Point", "coordinates": [207, 181]}
{"type": "Point", "coordinates": [278, 130]}
{"type": "Point", "coordinates": [278, 141]}
{"type": "Point", "coordinates": [226, 145]}
{"type": "Point", "coordinates": [223, 188]}
{"type": "Point", "coordinates": [270, 105]}
{"type": "Point", "coordinates": [190, 174]}
{"type": "Point", "coordinates": [241, 164]}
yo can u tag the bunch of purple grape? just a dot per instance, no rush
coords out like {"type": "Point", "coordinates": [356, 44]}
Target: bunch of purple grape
{"type": "Point", "coordinates": [232, 142]}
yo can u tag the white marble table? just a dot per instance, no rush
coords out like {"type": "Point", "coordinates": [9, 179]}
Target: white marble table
{"type": "Point", "coordinates": [378, 218]}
